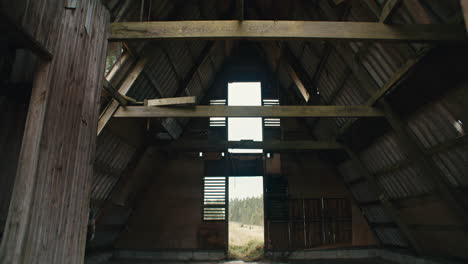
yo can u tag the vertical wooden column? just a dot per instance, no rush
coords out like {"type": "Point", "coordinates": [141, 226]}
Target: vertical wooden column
{"type": "Point", "coordinates": [49, 208]}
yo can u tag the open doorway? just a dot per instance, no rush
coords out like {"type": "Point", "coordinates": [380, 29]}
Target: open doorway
{"type": "Point", "coordinates": [246, 218]}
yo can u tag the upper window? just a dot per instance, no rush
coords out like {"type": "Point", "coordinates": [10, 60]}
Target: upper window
{"type": "Point", "coordinates": [240, 128]}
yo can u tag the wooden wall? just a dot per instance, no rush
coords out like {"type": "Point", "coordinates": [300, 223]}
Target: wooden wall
{"type": "Point", "coordinates": [169, 214]}
{"type": "Point", "coordinates": [49, 210]}
{"type": "Point", "coordinates": [309, 178]}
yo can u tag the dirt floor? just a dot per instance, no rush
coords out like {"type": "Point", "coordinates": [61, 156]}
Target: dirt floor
{"type": "Point", "coordinates": [241, 234]}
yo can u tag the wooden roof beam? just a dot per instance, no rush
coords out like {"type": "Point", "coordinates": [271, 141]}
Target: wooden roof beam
{"type": "Point", "coordinates": [388, 9]}
{"type": "Point", "coordinates": [278, 146]}
{"type": "Point", "coordinates": [248, 111]}
{"type": "Point", "coordinates": [275, 30]}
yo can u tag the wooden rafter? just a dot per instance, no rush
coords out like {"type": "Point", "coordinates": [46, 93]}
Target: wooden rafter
{"type": "Point", "coordinates": [204, 145]}
{"type": "Point", "coordinates": [274, 30]}
{"type": "Point", "coordinates": [388, 9]}
{"type": "Point", "coordinates": [123, 90]}
{"type": "Point", "coordinates": [275, 57]}
{"type": "Point", "coordinates": [367, 82]}
{"type": "Point", "coordinates": [248, 111]}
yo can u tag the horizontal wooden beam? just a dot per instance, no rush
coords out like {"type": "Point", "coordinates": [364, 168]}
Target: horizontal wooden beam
{"type": "Point", "coordinates": [187, 100]}
{"type": "Point", "coordinates": [248, 111]}
{"type": "Point", "coordinates": [280, 146]}
{"type": "Point", "coordinates": [272, 30]}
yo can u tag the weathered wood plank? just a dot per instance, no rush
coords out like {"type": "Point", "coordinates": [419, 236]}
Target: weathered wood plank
{"type": "Point", "coordinates": [50, 197]}
{"type": "Point", "coordinates": [285, 30]}
{"type": "Point", "coordinates": [248, 111]}
{"type": "Point", "coordinates": [124, 88]}
{"type": "Point", "coordinates": [388, 9]}
{"type": "Point", "coordinates": [206, 145]}
{"type": "Point", "coordinates": [187, 100]}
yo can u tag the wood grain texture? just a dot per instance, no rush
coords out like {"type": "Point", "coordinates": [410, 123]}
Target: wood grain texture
{"type": "Point", "coordinates": [285, 30]}
{"type": "Point", "coordinates": [248, 111]}
{"type": "Point", "coordinates": [48, 212]}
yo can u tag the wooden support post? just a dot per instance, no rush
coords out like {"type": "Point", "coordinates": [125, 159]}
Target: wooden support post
{"type": "Point", "coordinates": [388, 9]}
{"type": "Point", "coordinates": [248, 111]}
{"type": "Point", "coordinates": [124, 88]}
{"type": "Point", "coordinates": [48, 212]}
{"type": "Point", "coordinates": [276, 30]}
{"type": "Point", "coordinates": [385, 201]}
{"type": "Point", "coordinates": [464, 4]}
{"type": "Point", "coordinates": [241, 9]}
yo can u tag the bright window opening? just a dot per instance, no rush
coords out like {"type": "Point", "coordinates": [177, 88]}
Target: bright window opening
{"type": "Point", "coordinates": [245, 94]}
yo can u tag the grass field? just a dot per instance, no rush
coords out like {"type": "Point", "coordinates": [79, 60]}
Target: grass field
{"type": "Point", "coordinates": [245, 241]}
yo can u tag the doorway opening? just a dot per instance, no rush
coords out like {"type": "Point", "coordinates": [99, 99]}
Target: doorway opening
{"type": "Point", "coordinates": [246, 218]}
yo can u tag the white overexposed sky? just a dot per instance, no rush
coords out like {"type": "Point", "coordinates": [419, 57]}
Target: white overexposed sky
{"type": "Point", "coordinates": [244, 187]}
{"type": "Point", "coordinates": [245, 94]}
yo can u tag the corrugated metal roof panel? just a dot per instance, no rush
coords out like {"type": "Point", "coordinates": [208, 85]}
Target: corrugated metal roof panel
{"type": "Point", "coordinates": [391, 236]}
{"type": "Point", "coordinates": [376, 214]}
{"type": "Point", "coordinates": [178, 52]}
{"type": "Point", "coordinates": [454, 164]}
{"type": "Point", "coordinates": [383, 153]}
{"type": "Point", "coordinates": [433, 125]}
{"type": "Point", "coordinates": [405, 182]}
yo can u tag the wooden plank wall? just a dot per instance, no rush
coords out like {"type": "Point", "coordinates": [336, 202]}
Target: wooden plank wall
{"type": "Point", "coordinates": [49, 208]}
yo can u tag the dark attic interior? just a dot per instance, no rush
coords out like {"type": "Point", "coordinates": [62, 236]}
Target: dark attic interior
{"type": "Point", "coordinates": [127, 125]}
